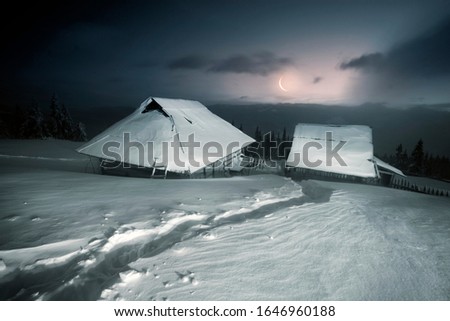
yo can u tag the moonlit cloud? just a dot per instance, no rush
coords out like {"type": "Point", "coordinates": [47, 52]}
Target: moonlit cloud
{"type": "Point", "coordinates": [177, 49]}
{"type": "Point", "coordinates": [367, 62]}
{"type": "Point", "coordinates": [411, 71]}
{"type": "Point", "coordinates": [424, 56]}
{"type": "Point", "coordinates": [262, 63]}
{"type": "Point", "coordinates": [316, 80]}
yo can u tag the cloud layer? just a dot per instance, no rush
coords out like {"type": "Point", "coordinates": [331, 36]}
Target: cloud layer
{"type": "Point", "coordinates": [424, 56]}
{"type": "Point", "coordinates": [189, 62]}
{"type": "Point", "coordinates": [408, 72]}
{"type": "Point", "coordinates": [317, 79]}
{"type": "Point", "coordinates": [372, 62]}
{"type": "Point", "coordinates": [262, 63]}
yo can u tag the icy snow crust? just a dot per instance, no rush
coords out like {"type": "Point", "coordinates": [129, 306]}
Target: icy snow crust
{"type": "Point", "coordinates": [357, 152]}
{"type": "Point", "coordinates": [186, 117]}
{"type": "Point", "coordinates": [65, 234]}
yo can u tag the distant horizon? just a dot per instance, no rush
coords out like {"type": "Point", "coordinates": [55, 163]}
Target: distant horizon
{"type": "Point", "coordinates": [391, 125]}
{"type": "Point", "coordinates": [43, 102]}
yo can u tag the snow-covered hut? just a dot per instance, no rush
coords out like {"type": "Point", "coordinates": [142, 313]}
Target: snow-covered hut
{"type": "Point", "coordinates": [169, 136]}
{"type": "Point", "coordinates": [337, 152]}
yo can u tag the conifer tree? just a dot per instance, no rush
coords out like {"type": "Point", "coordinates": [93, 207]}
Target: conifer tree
{"type": "Point", "coordinates": [258, 136]}
{"type": "Point", "coordinates": [68, 128]}
{"type": "Point", "coordinates": [80, 133]}
{"type": "Point", "coordinates": [54, 124]}
{"type": "Point", "coordinates": [34, 124]}
{"type": "Point", "coordinates": [18, 119]}
{"type": "Point", "coordinates": [417, 157]}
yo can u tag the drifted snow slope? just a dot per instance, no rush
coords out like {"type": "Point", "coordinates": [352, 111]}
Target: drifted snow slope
{"type": "Point", "coordinates": [72, 235]}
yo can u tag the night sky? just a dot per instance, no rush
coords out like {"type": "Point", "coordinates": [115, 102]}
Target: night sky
{"type": "Point", "coordinates": [109, 53]}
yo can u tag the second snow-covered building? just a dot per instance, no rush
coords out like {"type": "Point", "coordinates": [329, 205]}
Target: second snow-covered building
{"type": "Point", "coordinates": [337, 151]}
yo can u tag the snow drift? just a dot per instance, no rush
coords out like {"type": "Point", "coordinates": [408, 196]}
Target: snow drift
{"type": "Point", "coordinates": [66, 234]}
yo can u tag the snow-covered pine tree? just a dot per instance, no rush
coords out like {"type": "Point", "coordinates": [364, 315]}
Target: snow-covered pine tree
{"type": "Point", "coordinates": [418, 158]}
{"type": "Point", "coordinates": [398, 156]}
{"type": "Point", "coordinates": [257, 134]}
{"type": "Point", "coordinates": [69, 129]}
{"type": "Point", "coordinates": [61, 125]}
{"type": "Point", "coordinates": [34, 124]}
{"type": "Point", "coordinates": [17, 122]}
{"type": "Point", "coordinates": [80, 133]}
{"type": "Point", "coordinates": [54, 124]}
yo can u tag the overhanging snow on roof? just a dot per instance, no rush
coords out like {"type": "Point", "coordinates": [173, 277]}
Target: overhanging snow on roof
{"type": "Point", "coordinates": [385, 166]}
{"type": "Point", "coordinates": [180, 135]}
{"type": "Point", "coordinates": [311, 146]}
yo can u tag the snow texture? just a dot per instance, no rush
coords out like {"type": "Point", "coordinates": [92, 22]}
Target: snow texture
{"type": "Point", "coordinates": [357, 152]}
{"type": "Point", "coordinates": [70, 235]}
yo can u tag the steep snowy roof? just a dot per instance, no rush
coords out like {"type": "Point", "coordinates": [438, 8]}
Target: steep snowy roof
{"type": "Point", "coordinates": [310, 145]}
{"type": "Point", "coordinates": [163, 129]}
{"type": "Point", "coordinates": [383, 165]}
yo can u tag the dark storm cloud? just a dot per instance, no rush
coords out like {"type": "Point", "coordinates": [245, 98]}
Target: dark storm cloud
{"type": "Point", "coordinates": [373, 61]}
{"type": "Point", "coordinates": [29, 30]}
{"type": "Point", "coordinates": [263, 63]}
{"type": "Point", "coordinates": [316, 80]}
{"type": "Point", "coordinates": [189, 62]}
{"type": "Point", "coordinates": [424, 56]}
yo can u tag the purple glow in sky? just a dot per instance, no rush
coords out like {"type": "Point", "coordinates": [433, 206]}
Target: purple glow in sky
{"type": "Point", "coordinates": [326, 52]}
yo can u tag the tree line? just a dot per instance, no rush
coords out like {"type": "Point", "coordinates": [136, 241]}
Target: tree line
{"type": "Point", "coordinates": [32, 123]}
{"type": "Point", "coordinates": [419, 162]}
{"type": "Point", "coordinates": [270, 145]}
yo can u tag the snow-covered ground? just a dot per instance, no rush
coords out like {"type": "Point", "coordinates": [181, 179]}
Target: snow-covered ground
{"type": "Point", "coordinates": [68, 234]}
{"type": "Point", "coordinates": [429, 182]}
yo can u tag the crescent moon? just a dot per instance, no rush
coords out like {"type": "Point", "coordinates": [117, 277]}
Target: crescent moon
{"type": "Point", "coordinates": [281, 85]}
